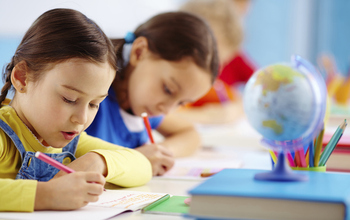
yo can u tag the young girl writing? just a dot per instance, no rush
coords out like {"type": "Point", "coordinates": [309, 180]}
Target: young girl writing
{"type": "Point", "coordinates": [60, 72]}
{"type": "Point", "coordinates": [168, 61]}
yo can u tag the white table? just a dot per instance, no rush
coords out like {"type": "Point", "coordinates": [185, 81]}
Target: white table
{"type": "Point", "coordinates": [239, 139]}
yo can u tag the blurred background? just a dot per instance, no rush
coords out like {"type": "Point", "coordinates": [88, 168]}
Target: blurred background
{"type": "Point", "coordinates": [273, 29]}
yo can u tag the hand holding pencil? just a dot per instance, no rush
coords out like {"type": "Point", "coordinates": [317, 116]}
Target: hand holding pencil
{"type": "Point", "coordinates": [160, 157]}
{"type": "Point", "coordinates": [67, 192]}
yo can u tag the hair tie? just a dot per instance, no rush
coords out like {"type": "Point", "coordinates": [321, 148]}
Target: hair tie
{"type": "Point", "coordinates": [129, 37]}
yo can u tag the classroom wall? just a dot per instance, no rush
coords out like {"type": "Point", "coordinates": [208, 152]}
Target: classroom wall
{"type": "Point", "coordinates": [274, 29]}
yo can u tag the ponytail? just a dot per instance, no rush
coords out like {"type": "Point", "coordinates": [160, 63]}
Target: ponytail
{"type": "Point", "coordinates": [7, 81]}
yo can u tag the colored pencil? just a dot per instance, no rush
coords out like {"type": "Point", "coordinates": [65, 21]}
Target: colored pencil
{"type": "Point", "coordinates": [208, 174]}
{"type": "Point", "coordinates": [297, 158]}
{"type": "Point", "coordinates": [148, 126]}
{"type": "Point", "coordinates": [302, 157]}
{"type": "Point", "coordinates": [332, 144]}
{"type": "Point", "coordinates": [273, 156]}
{"type": "Point", "coordinates": [290, 159]}
{"type": "Point", "coordinates": [311, 154]}
{"type": "Point", "coordinates": [53, 162]}
{"type": "Point", "coordinates": [318, 147]}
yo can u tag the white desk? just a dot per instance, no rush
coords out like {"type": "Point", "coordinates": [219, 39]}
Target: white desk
{"type": "Point", "coordinates": [240, 139]}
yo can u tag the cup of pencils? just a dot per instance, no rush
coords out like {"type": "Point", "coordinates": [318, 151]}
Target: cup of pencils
{"type": "Point", "coordinates": [315, 158]}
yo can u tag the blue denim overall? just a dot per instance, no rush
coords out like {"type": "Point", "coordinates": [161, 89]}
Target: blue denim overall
{"type": "Point", "coordinates": [32, 167]}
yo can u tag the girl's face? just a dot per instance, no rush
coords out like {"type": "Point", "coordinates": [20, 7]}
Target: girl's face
{"type": "Point", "coordinates": [64, 101]}
{"type": "Point", "coordinates": [157, 86]}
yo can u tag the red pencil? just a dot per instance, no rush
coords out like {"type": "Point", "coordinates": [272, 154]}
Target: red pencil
{"type": "Point", "coordinates": [53, 162]}
{"type": "Point", "coordinates": [148, 126]}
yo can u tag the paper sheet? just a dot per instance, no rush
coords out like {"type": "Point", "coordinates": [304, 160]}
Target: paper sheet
{"type": "Point", "coordinates": [110, 203]}
{"type": "Point", "coordinates": [207, 160]}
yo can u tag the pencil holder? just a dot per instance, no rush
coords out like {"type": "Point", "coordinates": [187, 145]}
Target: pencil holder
{"type": "Point", "coordinates": [317, 169]}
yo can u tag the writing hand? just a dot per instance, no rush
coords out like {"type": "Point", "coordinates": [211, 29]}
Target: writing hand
{"type": "Point", "coordinates": [69, 192]}
{"type": "Point", "coordinates": [160, 157]}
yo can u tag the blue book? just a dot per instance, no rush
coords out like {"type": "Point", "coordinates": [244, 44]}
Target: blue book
{"type": "Point", "coordinates": [235, 194]}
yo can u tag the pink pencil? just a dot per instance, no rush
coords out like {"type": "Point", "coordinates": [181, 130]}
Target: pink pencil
{"type": "Point", "coordinates": [53, 162]}
{"type": "Point", "coordinates": [302, 157]}
{"type": "Point", "coordinates": [290, 159]}
{"type": "Point", "coordinates": [148, 126]}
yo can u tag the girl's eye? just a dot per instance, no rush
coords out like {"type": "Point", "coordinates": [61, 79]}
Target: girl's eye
{"type": "Point", "coordinates": [167, 90]}
{"type": "Point", "coordinates": [68, 101]}
{"type": "Point", "coordinates": [94, 106]}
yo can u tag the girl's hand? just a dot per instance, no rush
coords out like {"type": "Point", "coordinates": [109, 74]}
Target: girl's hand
{"type": "Point", "coordinates": [89, 162]}
{"type": "Point", "coordinates": [160, 157]}
{"type": "Point", "coordinates": [69, 192]}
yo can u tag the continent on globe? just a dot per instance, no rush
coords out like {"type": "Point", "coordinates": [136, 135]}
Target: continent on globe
{"type": "Point", "coordinates": [272, 78]}
{"type": "Point", "coordinates": [277, 128]}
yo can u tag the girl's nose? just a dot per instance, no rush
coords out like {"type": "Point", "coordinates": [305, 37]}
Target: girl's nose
{"type": "Point", "coordinates": [166, 107]}
{"type": "Point", "coordinates": [80, 116]}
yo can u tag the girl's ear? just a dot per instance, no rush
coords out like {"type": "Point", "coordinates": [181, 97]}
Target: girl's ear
{"type": "Point", "coordinates": [19, 76]}
{"type": "Point", "coordinates": [139, 50]}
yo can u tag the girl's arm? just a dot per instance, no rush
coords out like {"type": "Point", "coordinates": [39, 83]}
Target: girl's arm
{"type": "Point", "coordinates": [17, 195]}
{"type": "Point", "coordinates": [121, 166]}
{"type": "Point", "coordinates": [180, 136]}
{"type": "Point", "coordinates": [67, 192]}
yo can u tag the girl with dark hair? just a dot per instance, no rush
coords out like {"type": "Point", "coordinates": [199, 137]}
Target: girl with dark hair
{"type": "Point", "coordinates": [60, 73]}
{"type": "Point", "coordinates": [168, 61]}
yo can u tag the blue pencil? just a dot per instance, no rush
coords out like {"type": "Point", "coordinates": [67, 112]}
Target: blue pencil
{"type": "Point", "coordinates": [311, 154]}
{"type": "Point", "coordinates": [332, 144]}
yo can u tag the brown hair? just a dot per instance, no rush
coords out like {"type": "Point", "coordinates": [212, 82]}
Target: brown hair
{"type": "Point", "coordinates": [222, 16]}
{"type": "Point", "coordinates": [175, 35]}
{"type": "Point", "coordinates": [58, 35]}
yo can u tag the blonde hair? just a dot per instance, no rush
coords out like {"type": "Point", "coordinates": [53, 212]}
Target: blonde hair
{"type": "Point", "coordinates": [221, 16]}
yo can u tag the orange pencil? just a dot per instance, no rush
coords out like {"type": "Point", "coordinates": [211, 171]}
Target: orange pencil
{"type": "Point", "coordinates": [297, 158]}
{"type": "Point", "coordinates": [148, 126]}
{"type": "Point", "coordinates": [208, 174]}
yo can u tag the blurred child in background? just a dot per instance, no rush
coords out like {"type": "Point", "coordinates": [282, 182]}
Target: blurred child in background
{"type": "Point", "coordinates": [168, 61]}
{"type": "Point", "coordinates": [338, 84]}
{"type": "Point", "coordinates": [223, 102]}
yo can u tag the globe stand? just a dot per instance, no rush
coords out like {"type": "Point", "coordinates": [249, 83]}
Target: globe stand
{"type": "Point", "coordinates": [281, 172]}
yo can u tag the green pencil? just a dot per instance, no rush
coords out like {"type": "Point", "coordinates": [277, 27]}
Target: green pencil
{"type": "Point", "coordinates": [332, 144]}
{"type": "Point", "coordinates": [152, 205]}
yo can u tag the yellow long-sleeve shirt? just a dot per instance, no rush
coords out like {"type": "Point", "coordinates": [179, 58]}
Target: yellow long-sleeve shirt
{"type": "Point", "coordinates": [126, 167]}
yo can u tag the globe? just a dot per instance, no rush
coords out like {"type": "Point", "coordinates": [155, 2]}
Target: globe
{"type": "Point", "coordinates": [286, 103]}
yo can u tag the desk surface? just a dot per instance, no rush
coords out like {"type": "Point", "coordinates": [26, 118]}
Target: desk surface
{"type": "Point", "coordinates": [240, 139]}
{"type": "Point", "coordinates": [237, 139]}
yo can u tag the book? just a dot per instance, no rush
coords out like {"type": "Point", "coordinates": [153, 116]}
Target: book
{"type": "Point", "coordinates": [168, 205]}
{"type": "Point", "coordinates": [339, 160]}
{"type": "Point", "coordinates": [110, 203]}
{"type": "Point", "coordinates": [234, 193]}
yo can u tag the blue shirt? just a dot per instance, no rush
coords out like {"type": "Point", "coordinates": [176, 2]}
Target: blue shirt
{"type": "Point", "coordinates": [115, 125]}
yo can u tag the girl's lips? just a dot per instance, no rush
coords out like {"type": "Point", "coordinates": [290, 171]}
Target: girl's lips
{"type": "Point", "coordinates": [69, 135]}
